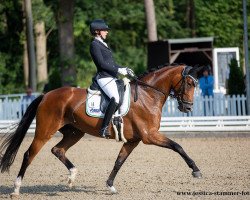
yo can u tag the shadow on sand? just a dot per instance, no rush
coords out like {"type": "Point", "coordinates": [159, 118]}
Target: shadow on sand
{"type": "Point", "coordinates": [51, 190]}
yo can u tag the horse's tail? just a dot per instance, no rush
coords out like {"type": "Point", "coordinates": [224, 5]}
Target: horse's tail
{"type": "Point", "coordinates": [12, 143]}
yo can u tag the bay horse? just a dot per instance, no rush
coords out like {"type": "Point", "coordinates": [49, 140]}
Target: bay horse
{"type": "Point", "coordinates": [63, 110]}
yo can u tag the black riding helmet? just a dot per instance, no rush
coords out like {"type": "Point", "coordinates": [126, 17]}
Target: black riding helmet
{"type": "Point", "coordinates": [98, 24]}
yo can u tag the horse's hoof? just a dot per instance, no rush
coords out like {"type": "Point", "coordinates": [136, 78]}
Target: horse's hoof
{"type": "Point", "coordinates": [197, 174]}
{"type": "Point", "coordinates": [112, 189]}
{"type": "Point", "coordinates": [70, 184]}
{"type": "Point", "coordinates": [72, 176]}
{"type": "Point", "coordinates": [14, 195]}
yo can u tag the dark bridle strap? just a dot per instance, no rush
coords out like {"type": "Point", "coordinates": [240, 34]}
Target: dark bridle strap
{"type": "Point", "coordinates": [139, 82]}
{"type": "Point", "coordinates": [179, 94]}
{"type": "Point", "coordinates": [184, 75]}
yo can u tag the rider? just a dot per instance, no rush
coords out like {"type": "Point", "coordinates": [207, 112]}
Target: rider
{"type": "Point", "coordinates": [107, 70]}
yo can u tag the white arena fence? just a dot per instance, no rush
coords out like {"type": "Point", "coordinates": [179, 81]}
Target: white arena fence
{"type": "Point", "coordinates": [13, 106]}
{"type": "Point", "coordinates": [218, 113]}
{"type": "Point", "coordinates": [219, 105]}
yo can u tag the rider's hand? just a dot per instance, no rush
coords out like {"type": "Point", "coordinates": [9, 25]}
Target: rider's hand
{"type": "Point", "coordinates": [122, 71]}
{"type": "Point", "coordinates": [130, 72]}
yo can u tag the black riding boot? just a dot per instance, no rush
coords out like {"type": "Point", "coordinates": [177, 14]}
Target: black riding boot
{"type": "Point", "coordinates": [107, 118]}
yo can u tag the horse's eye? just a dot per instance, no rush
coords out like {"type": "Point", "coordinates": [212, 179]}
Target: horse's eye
{"type": "Point", "coordinates": [189, 84]}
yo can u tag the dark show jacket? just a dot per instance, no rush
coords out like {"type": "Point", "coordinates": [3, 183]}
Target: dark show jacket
{"type": "Point", "coordinates": [103, 59]}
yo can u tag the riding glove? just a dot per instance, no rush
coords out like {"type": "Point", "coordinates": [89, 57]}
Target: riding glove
{"type": "Point", "coordinates": [131, 73]}
{"type": "Point", "coordinates": [122, 71]}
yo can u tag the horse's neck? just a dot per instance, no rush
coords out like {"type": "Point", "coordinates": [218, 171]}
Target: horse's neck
{"type": "Point", "coordinates": [161, 79]}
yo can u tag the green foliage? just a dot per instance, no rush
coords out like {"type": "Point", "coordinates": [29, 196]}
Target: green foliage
{"type": "Point", "coordinates": [41, 12]}
{"type": "Point", "coordinates": [220, 19]}
{"type": "Point", "coordinates": [11, 72]}
{"type": "Point", "coordinates": [127, 38]}
{"type": "Point", "coordinates": [236, 80]}
{"type": "Point", "coordinates": [167, 13]}
{"type": "Point", "coordinates": [54, 79]}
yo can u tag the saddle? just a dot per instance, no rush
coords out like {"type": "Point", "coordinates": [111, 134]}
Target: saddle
{"type": "Point", "coordinates": [97, 102]}
{"type": "Point", "coordinates": [104, 98]}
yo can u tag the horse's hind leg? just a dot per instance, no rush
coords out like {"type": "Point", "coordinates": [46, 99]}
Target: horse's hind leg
{"type": "Point", "coordinates": [162, 141]}
{"type": "Point", "coordinates": [44, 131]}
{"type": "Point", "coordinates": [29, 155]}
{"type": "Point", "coordinates": [71, 136]}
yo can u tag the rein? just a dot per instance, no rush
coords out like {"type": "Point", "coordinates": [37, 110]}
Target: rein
{"type": "Point", "coordinates": [139, 82]}
{"type": "Point", "coordinates": [178, 95]}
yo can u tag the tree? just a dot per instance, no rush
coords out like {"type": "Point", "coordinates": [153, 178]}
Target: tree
{"type": "Point", "coordinates": [190, 18]}
{"type": "Point", "coordinates": [236, 83]}
{"type": "Point", "coordinates": [41, 54]}
{"type": "Point", "coordinates": [171, 17]}
{"type": "Point", "coordinates": [11, 72]}
{"type": "Point", "coordinates": [220, 19]}
{"type": "Point", "coordinates": [46, 44]}
{"type": "Point", "coordinates": [127, 38]}
{"type": "Point", "coordinates": [30, 45]}
{"type": "Point", "coordinates": [66, 42]}
{"type": "Point", "coordinates": [151, 21]}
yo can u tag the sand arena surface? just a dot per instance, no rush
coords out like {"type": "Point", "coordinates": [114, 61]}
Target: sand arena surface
{"type": "Point", "coordinates": [149, 173]}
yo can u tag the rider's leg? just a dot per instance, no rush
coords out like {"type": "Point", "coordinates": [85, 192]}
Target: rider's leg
{"type": "Point", "coordinates": [108, 85]}
{"type": "Point", "coordinates": [107, 118]}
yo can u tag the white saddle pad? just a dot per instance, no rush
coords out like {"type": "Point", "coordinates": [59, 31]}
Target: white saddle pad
{"type": "Point", "coordinates": [94, 100]}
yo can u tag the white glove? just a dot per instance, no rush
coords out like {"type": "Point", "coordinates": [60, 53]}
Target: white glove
{"type": "Point", "coordinates": [122, 71]}
{"type": "Point", "coordinates": [131, 73]}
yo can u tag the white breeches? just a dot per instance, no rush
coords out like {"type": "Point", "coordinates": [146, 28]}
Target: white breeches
{"type": "Point", "coordinates": [109, 86]}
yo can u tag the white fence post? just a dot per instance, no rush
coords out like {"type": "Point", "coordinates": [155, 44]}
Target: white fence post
{"type": "Point", "coordinates": [243, 104]}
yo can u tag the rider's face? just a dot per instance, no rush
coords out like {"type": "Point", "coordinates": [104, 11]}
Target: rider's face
{"type": "Point", "coordinates": [104, 34]}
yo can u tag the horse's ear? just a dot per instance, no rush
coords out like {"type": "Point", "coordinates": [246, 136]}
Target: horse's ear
{"type": "Point", "coordinates": [195, 70]}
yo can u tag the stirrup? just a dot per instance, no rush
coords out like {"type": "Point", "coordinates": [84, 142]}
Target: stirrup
{"type": "Point", "coordinates": [104, 133]}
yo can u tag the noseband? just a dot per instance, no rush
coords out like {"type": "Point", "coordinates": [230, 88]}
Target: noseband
{"type": "Point", "coordinates": [180, 92]}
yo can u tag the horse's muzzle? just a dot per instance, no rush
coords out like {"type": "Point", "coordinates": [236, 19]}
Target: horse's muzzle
{"type": "Point", "coordinates": [185, 107]}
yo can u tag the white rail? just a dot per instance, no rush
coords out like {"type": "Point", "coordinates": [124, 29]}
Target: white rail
{"type": "Point", "coordinates": [179, 124]}
{"type": "Point", "coordinates": [207, 124]}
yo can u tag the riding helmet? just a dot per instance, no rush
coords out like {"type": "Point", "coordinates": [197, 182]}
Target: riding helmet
{"type": "Point", "coordinates": [98, 24]}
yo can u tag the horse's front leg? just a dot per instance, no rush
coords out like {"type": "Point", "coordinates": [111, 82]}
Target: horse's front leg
{"type": "Point", "coordinates": [125, 151]}
{"type": "Point", "coordinates": [159, 139]}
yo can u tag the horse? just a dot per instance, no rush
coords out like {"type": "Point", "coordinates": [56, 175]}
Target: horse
{"type": "Point", "coordinates": [62, 110]}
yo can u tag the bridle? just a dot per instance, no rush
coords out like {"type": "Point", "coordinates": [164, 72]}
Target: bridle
{"type": "Point", "coordinates": [180, 92]}
{"type": "Point", "coordinates": [174, 94]}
